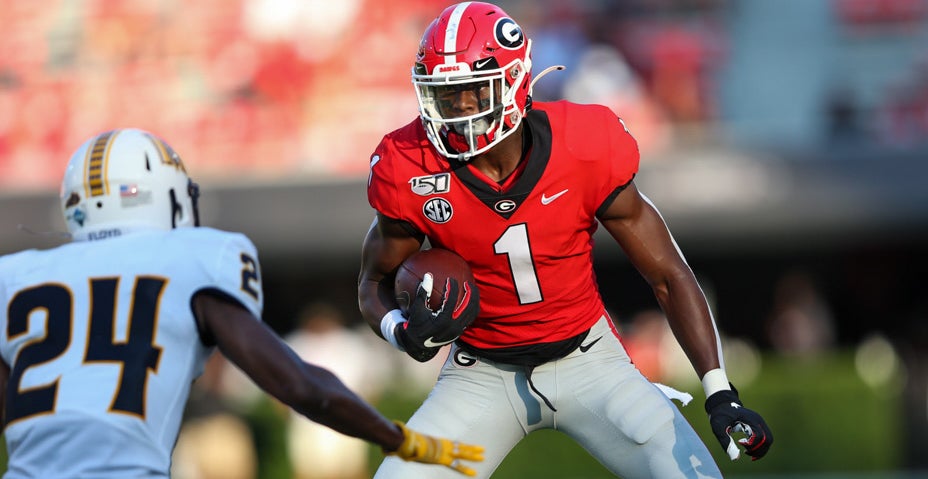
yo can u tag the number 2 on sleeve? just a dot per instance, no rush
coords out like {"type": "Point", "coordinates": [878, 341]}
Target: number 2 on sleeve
{"type": "Point", "coordinates": [251, 280]}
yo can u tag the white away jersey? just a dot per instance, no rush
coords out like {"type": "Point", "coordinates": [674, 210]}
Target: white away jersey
{"type": "Point", "coordinates": [103, 347]}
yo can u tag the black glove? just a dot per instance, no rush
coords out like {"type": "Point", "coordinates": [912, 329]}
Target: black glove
{"type": "Point", "coordinates": [426, 331]}
{"type": "Point", "coordinates": [727, 415]}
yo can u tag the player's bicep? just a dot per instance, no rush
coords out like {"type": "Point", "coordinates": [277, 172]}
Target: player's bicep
{"type": "Point", "coordinates": [224, 319]}
{"type": "Point", "coordinates": [207, 316]}
{"type": "Point", "coordinates": [624, 204]}
{"type": "Point", "coordinates": [249, 343]}
{"type": "Point", "coordinates": [387, 244]}
{"type": "Point", "coordinates": [640, 230]}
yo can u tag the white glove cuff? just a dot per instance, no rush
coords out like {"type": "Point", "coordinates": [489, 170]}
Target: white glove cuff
{"type": "Point", "coordinates": [715, 381]}
{"type": "Point", "coordinates": [388, 325]}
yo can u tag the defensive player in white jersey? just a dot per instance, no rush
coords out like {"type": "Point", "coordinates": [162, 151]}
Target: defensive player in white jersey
{"type": "Point", "coordinates": [102, 337]}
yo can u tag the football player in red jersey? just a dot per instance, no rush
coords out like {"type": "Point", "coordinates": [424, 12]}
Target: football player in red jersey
{"type": "Point", "coordinates": [518, 188]}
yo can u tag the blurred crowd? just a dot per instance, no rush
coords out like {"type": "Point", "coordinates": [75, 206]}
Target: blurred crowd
{"type": "Point", "coordinates": [277, 89]}
{"type": "Point", "coordinates": [244, 88]}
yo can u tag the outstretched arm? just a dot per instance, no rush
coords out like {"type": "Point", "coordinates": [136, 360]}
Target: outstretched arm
{"type": "Point", "coordinates": [310, 390]}
{"type": "Point", "coordinates": [314, 391]}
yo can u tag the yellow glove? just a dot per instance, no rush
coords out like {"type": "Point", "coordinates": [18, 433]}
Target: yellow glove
{"type": "Point", "coordinates": [426, 449]}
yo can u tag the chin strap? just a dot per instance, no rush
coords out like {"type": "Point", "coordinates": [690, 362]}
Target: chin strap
{"type": "Point", "coordinates": [544, 72]}
{"type": "Point", "coordinates": [193, 190]}
{"type": "Point", "coordinates": [46, 234]}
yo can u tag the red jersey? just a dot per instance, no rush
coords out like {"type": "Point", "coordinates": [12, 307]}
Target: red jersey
{"type": "Point", "coordinates": [528, 241]}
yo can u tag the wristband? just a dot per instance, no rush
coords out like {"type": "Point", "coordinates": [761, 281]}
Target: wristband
{"type": "Point", "coordinates": [388, 325]}
{"type": "Point", "coordinates": [715, 381]}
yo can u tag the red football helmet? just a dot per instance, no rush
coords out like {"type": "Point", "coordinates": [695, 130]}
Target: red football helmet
{"type": "Point", "coordinates": [472, 47]}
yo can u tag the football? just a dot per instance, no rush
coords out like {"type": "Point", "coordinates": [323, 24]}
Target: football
{"type": "Point", "coordinates": [441, 263]}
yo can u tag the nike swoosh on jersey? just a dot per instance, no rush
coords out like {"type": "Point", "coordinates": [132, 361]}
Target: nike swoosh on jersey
{"type": "Point", "coordinates": [548, 199]}
{"type": "Point", "coordinates": [586, 347]}
{"type": "Point", "coordinates": [431, 344]}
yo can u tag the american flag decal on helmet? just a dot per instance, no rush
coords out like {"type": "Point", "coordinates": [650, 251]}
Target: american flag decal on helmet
{"type": "Point", "coordinates": [128, 191]}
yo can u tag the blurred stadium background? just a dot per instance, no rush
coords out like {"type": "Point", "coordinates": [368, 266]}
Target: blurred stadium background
{"type": "Point", "coordinates": [784, 141]}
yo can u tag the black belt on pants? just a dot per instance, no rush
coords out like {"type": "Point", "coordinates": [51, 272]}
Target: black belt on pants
{"type": "Point", "coordinates": [529, 356]}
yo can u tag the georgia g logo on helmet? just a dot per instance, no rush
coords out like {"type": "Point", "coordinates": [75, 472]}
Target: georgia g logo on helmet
{"type": "Point", "coordinates": [508, 34]}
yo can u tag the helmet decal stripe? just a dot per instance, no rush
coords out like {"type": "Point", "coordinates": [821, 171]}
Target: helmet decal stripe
{"type": "Point", "coordinates": [96, 165]}
{"type": "Point", "coordinates": [451, 33]}
{"type": "Point", "coordinates": [167, 154]}
{"type": "Point", "coordinates": [163, 156]}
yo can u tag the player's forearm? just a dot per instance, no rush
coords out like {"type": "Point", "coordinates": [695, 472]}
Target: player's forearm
{"type": "Point", "coordinates": [374, 302]}
{"type": "Point", "coordinates": [691, 322]}
{"type": "Point", "coordinates": [337, 407]}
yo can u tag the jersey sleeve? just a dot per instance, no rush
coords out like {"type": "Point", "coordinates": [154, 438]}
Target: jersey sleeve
{"type": "Point", "coordinates": [231, 261]}
{"type": "Point", "coordinates": [381, 183]}
{"type": "Point", "coordinates": [623, 157]}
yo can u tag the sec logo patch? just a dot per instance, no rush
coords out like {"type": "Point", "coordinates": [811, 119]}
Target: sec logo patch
{"type": "Point", "coordinates": [438, 210]}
